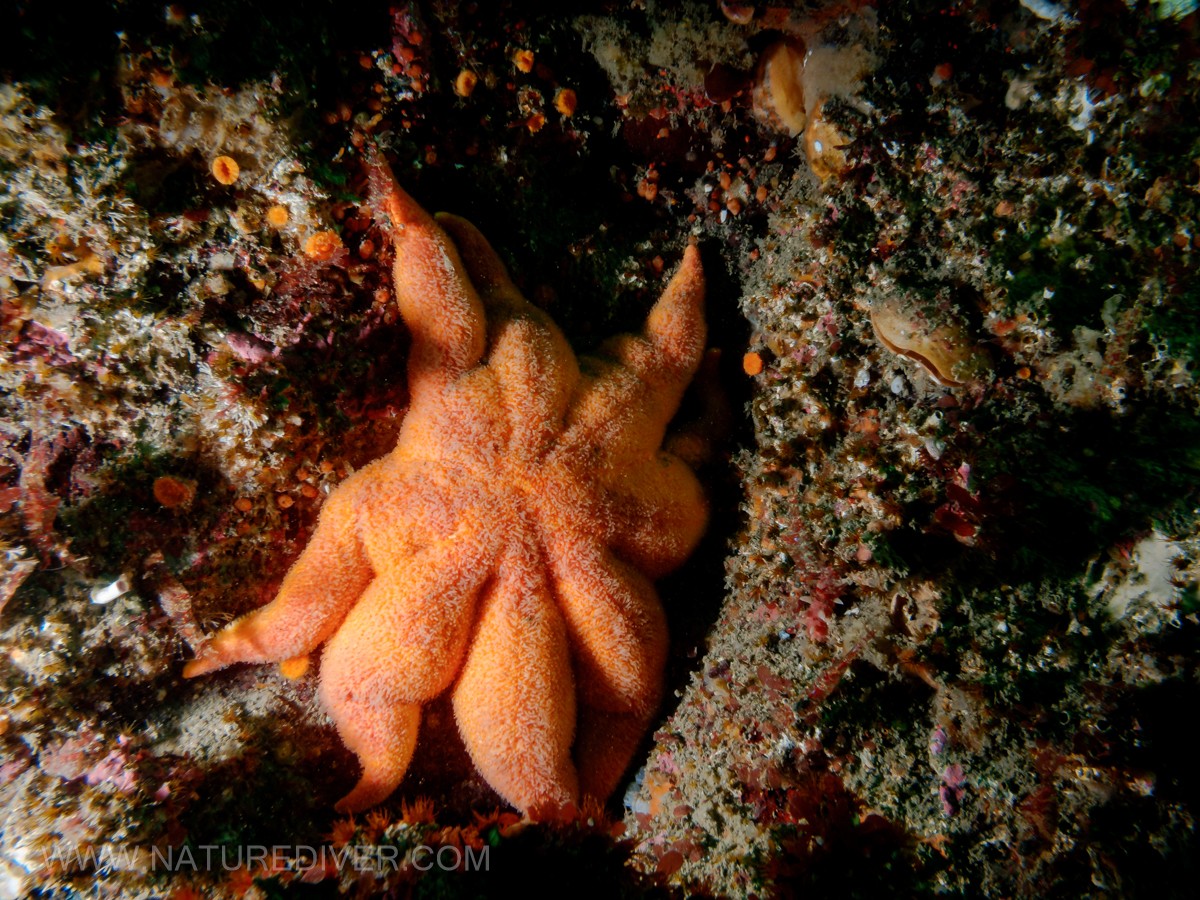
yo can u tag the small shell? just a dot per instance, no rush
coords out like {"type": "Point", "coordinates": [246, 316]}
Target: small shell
{"type": "Point", "coordinates": [778, 95]}
{"type": "Point", "coordinates": [943, 348]}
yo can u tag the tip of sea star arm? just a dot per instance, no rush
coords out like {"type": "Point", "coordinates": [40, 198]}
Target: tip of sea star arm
{"type": "Point", "coordinates": [437, 300]}
{"type": "Point", "coordinates": [676, 324]}
{"type": "Point", "coordinates": [662, 360]}
{"type": "Point", "coordinates": [384, 738]}
{"type": "Point", "coordinates": [387, 197]}
{"type": "Point", "coordinates": [202, 665]}
{"type": "Point", "coordinates": [314, 598]}
{"type": "Point", "coordinates": [218, 653]}
{"type": "Point", "coordinates": [240, 641]}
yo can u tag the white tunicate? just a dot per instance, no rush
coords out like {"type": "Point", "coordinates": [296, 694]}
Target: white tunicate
{"type": "Point", "coordinates": [110, 592]}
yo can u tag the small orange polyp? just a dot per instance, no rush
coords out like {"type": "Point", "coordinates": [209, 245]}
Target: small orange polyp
{"type": "Point", "coordinates": [226, 170]}
{"type": "Point", "coordinates": [752, 363]}
{"type": "Point", "coordinates": [295, 667]}
{"type": "Point", "coordinates": [523, 60]}
{"type": "Point", "coordinates": [465, 83]}
{"type": "Point", "coordinates": [323, 245]}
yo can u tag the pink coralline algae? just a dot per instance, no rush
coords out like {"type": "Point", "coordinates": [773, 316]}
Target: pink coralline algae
{"type": "Point", "coordinates": [952, 789]}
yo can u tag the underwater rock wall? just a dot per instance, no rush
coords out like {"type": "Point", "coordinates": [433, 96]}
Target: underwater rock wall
{"type": "Point", "coordinates": [944, 625]}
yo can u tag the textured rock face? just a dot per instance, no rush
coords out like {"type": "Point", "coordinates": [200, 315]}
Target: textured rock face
{"type": "Point", "coordinates": [957, 626]}
{"type": "Point", "coordinates": [925, 651]}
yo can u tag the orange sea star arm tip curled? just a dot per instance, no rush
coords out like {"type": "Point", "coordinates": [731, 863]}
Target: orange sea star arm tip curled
{"type": "Point", "coordinates": [503, 551]}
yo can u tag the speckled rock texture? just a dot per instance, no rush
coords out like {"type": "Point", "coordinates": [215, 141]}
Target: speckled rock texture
{"type": "Point", "coordinates": [941, 637]}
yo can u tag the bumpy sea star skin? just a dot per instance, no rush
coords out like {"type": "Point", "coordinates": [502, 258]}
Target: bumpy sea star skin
{"type": "Point", "coordinates": [505, 549]}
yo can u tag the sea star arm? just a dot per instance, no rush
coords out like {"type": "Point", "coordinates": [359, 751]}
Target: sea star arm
{"type": "Point", "coordinates": [436, 298]}
{"type": "Point", "coordinates": [618, 635]}
{"type": "Point", "coordinates": [645, 375]}
{"type": "Point", "coordinates": [675, 329]}
{"type": "Point", "coordinates": [515, 699]}
{"type": "Point", "coordinates": [399, 647]}
{"type": "Point", "coordinates": [659, 514]}
{"type": "Point", "coordinates": [315, 595]}
{"type": "Point", "coordinates": [528, 355]}
{"type": "Point", "coordinates": [656, 508]}
{"type": "Point", "coordinates": [667, 353]}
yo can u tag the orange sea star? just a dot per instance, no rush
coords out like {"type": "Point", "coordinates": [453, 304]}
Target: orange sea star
{"type": "Point", "coordinates": [505, 549]}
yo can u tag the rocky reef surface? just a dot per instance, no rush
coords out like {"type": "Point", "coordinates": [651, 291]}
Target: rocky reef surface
{"type": "Point", "coordinates": [942, 635]}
